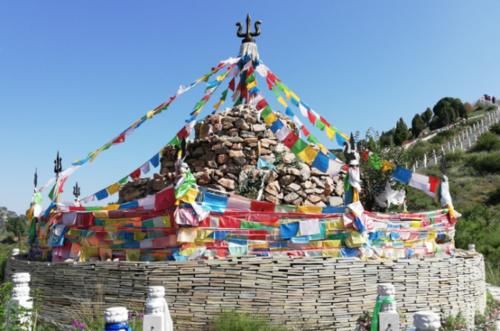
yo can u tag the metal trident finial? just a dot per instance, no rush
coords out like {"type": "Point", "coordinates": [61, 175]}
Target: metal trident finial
{"type": "Point", "coordinates": [248, 36]}
{"type": "Point", "coordinates": [35, 178]}
{"type": "Point", "coordinates": [76, 191]}
{"type": "Point", "coordinates": [57, 165]}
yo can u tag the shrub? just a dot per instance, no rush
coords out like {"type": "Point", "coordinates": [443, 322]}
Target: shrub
{"type": "Point", "coordinates": [487, 142]}
{"type": "Point", "coordinates": [495, 128]}
{"type": "Point", "coordinates": [494, 197]}
{"type": "Point", "coordinates": [454, 157]}
{"type": "Point", "coordinates": [488, 163]}
{"type": "Point", "coordinates": [454, 323]}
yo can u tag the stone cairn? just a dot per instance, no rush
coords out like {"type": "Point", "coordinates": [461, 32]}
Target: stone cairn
{"type": "Point", "coordinates": [156, 313]}
{"type": "Point", "coordinates": [224, 157]}
{"type": "Point", "coordinates": [21, 300]}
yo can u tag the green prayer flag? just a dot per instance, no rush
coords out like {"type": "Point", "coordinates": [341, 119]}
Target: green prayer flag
{"type": "Point", "coordinates": [175, 141]}
{"type": "Point", "coordinates": [299, 146]}
{"type": "Point", "coordinates": [320, 125]}
{"type": "Point", "coordinates": [375, 161]}
{"type": "Point", "coordinates": [123, 181]}
{"type": "Point", "coordinates": [250, 79]}
{"type": "Point", "coordinates": [188, 182]}
{"type": "Point", "coordinates": [224, 94]}
{"type": "Point", "coordinates": [312, 139]}
{"type": "Point", "coordinates": [266, 112]}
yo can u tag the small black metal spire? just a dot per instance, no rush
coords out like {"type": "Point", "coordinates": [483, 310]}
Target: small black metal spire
{"type": "Point", "coordinates": [76, 191]}
{"type": "Point", "coordinates": [35, 179]}
{"type": "Point", "coordinates": [57, 165]}
{"type": "Point", "coordinates": [248, 36]}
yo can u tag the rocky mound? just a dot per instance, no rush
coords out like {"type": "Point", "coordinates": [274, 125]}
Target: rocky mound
{"type": "Point", "coordinates": [224, 156]}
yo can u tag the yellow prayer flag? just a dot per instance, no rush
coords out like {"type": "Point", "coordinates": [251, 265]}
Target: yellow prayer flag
{"type": "Point", "coordinates": [100, 213]}
{"type": "Point", "coordinates": [113, 188]}
{"type": "Point", "coordinates": [282, 101]}
{"type": "Point", "coordinates": [331, 252]}
{"type": "Point", "coordinates": [330, 132]}
{"type": "Point", "coordinates": [332, 243]}
{"type": "Point", "coordinates": [150, 114]}
{"type": "Point", "coordinates": [295, 96]}
{"type": "Point", "coordinates": [415, 224]}
{"type": "Point", "coordinates": [113, 206]}
{"type": "Point", "coordinates": [309, 209]}
{"type": "Point", "coordinates": [387, 166]}
{"type": "Point", "coordinates": [432, 235]}
{"type": "Point", "coordinates": [190, 196]}
{"type": "Point", "coordinates": [133, 254]}
{"type": "Point", "coordinates": [139, 235]}
{"type": "Point", "coordinates": [287, 93]}
{"type": "Point", "coordinates": [217, 104]}
{"type": "Point", "coordinates": [270, 119]}
{"type": "Point", "coordinates": [251, 85]}
{"type": "Point", "coordinates": [336, 224]}
{"type": "Point", "coordinates": [308, 154]}
{"type": "Point", "coordinates": [316, 244]}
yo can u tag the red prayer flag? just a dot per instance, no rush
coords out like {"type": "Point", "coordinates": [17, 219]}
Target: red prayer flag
{"type": "Point", "coordinates": [120, 139]}
{"type": "Point", "coordinates": [311, 117]}
{"type": "Point", "coordinates": [433, 183]}
{"type": "Point", "coordinates": [262, 104]}
{"type": "Point", "coordinates": [305, 131]}
{"type": "Point", "coordinates": [256, 205]}
{"type": "Point", "coordinates": [232, 84]}
{"type": "Point", "coordinates": [165, 199]}
{"type": "Point", "coordinates": [136, 173]}
{"type": "Point", "coordinates": [290, 140]}
{"type": "Point", "coordinates": [183, 133]}
{"type": "Point", "coordinates": [229, 222]}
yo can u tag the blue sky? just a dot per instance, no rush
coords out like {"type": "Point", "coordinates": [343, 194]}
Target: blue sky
{"type": "Point", "coordinates": [73, 74]}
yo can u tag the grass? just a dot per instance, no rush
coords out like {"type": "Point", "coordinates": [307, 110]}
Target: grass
{"type": "Point", "coordinates": [237, 321]}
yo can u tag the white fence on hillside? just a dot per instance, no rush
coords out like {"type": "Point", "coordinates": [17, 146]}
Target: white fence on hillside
{"type": "Point", "coordinates": [463, 141]}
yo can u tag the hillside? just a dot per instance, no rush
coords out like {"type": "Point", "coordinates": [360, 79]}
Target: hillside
{"type": "Point", "coordinates": [475, 186]}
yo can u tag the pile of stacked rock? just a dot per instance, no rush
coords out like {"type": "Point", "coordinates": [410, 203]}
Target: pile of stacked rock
{"type": "Point", "coordinates": [224, 156]}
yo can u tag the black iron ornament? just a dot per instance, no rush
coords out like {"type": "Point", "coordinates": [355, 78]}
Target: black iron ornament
{"type": "Point", "coordinates": [248, 36]}
{"type": "Point", "coordinates": [35, 179]}
{"type": "Point", "coordinates": [76, 191]}
{"type": "Point", "coordinates": [57, 165]}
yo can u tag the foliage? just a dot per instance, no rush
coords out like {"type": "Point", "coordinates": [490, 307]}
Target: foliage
{"type": "Point", "coordinates": [427, 116]}
{"type": "Point", "coordinates": [364, 322]}
{"type": "Point", "coordinates": [236, 321]}
{"type": "Point", "coordinates": [494, 197]}
{"type": "Point", "coordinates": [401, 133]}
{"type": "Point", "coordinates": [374, 180]}
{"type": "Point", "coordinates": [417, 125]}
{"type": "Point", "coordinates": [17, 226]}
{"type": "Point", "coordinates": [447, 111]}
{"type": "Point", "coordinates": [487, 142]}
{"type": "Point", "coordinates": [486, 163]}
{"type": "Point", "coordinates": [495, 128]}
{"type": "Point", "coordinates": [454, 323]}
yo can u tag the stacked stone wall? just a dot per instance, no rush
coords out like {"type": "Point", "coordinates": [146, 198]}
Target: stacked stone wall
{"type": "Point", "coordinates": [307, 293]}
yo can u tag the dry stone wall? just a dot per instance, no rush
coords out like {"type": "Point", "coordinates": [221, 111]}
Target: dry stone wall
{"type": "Point", "coordinates": [224, 157]}
{"type": "Point", "coordinates": [306, 293]}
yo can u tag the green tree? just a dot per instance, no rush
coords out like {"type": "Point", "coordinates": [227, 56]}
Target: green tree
{"type": "Point", "coordinates": [417, 125]}
{"type": "Point", "coordinates": [401, 132]}
{"type": "Point", "coordinates": [447, 111]}
{"type": "Point", "coordinates": [386, 138]}
{"type": "Point", "coordinates": [17, 225]}
{"type": "Point", "coordinates": [427, 116]}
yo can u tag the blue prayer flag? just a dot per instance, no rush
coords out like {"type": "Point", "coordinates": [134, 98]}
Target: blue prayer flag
{"type": "Point", "coordinates": [402, 175]}
{"type": "Point", "coordinates": [289, 230]}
